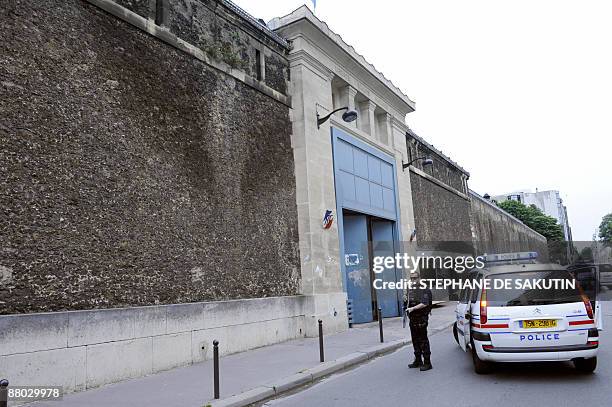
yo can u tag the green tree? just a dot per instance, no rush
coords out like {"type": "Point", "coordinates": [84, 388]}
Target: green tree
{"type": "Point", "coordinates": [535, 219]}
{"type": "Point", "coordinates": [586, 255]}
{"type": "Point", "coordinates": [605, 229]}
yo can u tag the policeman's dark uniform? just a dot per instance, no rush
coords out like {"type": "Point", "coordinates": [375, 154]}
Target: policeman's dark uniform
{"type": "Point", "coordinates": [418, 327]}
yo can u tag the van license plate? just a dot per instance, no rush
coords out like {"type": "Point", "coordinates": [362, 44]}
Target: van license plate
{"type": "Point", "coordinates": [539, 323]}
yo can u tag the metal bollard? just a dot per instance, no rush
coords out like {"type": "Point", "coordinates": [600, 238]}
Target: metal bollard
{"type": "Point", "coordinates": [380, 326]}
{"type": "Point", "coordinates": [216, 367]}
{"type": "Point", "coordinates": [321, 352]}
{"type": "Point", "coordinates": [4, 393]}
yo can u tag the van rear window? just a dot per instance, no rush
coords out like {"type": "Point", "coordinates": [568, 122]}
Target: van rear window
{"type": "Point", "coordinates": [506, 297]}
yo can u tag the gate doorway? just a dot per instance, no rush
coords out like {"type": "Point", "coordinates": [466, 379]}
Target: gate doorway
{"type": "Point", "coordinates": [367, 237]}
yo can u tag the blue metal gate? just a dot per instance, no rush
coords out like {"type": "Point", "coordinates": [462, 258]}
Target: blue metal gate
{"type": "Point", "coordinates": [357, 266]}
{"type": "Point", "coordinates": [383, 245]}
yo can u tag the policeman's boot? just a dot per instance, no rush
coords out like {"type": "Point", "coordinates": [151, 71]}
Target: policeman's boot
{"type": "Point", "coordinates": [416, 363]}
{"type": "Point", "coordinates": [426, 365]}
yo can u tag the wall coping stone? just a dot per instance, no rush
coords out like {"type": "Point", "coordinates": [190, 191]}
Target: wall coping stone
{"type": "Point", "coordinates": [428, 177]}
{"type": "Point", "coordinates": [491, 204]}
{"type": "Point", "coordinates": [166, 36]}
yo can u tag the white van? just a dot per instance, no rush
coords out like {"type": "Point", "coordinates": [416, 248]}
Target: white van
{"type": "Point", "coordinates": [527, 324]}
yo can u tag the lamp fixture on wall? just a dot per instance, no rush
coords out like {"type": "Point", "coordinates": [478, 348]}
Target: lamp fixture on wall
{"type": "Point", "coordinates": [426, 162]}
{"type": "Point", "coordinates": [349, 116]}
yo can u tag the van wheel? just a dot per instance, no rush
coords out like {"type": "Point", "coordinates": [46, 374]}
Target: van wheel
{"type": "Point", "coordinates": [480, 366]}
{"type": "Point", "coordinates": [455, 333]}
{"type": "Point", "coordinates": [586, 365]}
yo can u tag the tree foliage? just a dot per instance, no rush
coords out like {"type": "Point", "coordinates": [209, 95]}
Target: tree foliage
{"type": "Point", "coordinates": [535, 219]}
{"type": "Point", "coordinates": [605, 229]}
{"type": "Point", "coordinates": [586, 255]}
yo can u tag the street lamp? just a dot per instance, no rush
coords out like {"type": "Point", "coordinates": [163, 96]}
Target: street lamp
{"type": "Point", "coordinates": [426, 161]}
{"type": "Point", "coordinates": [349, 116]}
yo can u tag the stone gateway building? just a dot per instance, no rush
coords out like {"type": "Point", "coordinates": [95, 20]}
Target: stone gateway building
{"type": "Point", "coordinates": [167, 177]}
{"type": "Point", "coordinates": [353, 169]}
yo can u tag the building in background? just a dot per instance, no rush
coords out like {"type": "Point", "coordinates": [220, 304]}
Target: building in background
{"type": "Point", "coordinates": [549, 202]}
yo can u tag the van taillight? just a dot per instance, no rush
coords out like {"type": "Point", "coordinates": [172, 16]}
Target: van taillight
{"type": "Point", "coordinates": [588, 306]}
{"type": "Point", "coordinates": [483, 306]}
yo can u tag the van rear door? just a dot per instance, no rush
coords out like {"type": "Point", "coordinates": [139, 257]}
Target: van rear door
{"type": "Point", "coordinates": [539, 326]}
{"type": "Point", "coordinates": [460, 313]}
{"type": "Point", "coordinates": [533, 316]}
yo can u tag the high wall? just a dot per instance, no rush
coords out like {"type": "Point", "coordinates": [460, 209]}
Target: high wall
{"type": "Point", "coordinates": [146, 167]}
{"type": "Point", "coordinates": [451, 219]}
{"type": "Point", "coordinates": [441, 214]}
{"type": "Point", "coordinates": [443, 169]}
{"type": "Point", "coordinates": [496, 231]}
{"type": "Point", "coordinates": [441, 205]}
{"type": "Point", "coordinates": [447, 211]}
{"type": "Point", "coordinates": [142, 164]}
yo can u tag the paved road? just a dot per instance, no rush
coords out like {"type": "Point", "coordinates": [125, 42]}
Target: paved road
{"type": "Point", "coordinates": [387, 381]}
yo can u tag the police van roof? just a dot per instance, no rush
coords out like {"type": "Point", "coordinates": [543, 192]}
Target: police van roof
{"type": "Point", "coordinates": [491, 269]}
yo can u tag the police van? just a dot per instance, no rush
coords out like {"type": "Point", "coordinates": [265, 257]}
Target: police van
{"type": "Point", "coordinates": [524, 322]}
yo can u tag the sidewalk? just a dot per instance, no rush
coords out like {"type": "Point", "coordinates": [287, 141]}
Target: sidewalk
{"type": "Point", "coordinates": [256, 374]}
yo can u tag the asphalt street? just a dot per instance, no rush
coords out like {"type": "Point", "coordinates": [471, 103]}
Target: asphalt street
{"type": "Point", "coordinates": [387, 381]}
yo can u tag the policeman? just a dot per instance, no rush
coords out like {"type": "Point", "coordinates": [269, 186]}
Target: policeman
{"type": "Point", "coordinates": [418, 306]}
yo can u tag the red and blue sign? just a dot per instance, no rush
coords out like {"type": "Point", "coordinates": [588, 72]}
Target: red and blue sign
{"type": "Point", "coordinates": [328, 219]}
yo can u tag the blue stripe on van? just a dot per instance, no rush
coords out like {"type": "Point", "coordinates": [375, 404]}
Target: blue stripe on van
{"type": "Point", "coordinates": [579, 329]}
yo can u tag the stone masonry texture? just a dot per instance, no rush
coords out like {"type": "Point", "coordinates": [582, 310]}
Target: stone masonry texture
{"type": "Point", "coordinates": [132, 173]}
{"type": "Point", "coordinates": [440, 215]}
{"type": "Point", "coordinates": [208, 25]}
{"type": "Point", "coordinates": [495, 231]}
{"type": "Point", "coordinates": [440, 170]}
{"type": "Point", "coordinates": [140, 7]}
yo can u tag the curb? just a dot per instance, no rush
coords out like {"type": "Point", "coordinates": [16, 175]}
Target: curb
{"type": "Point", "coordinates": [312, 374]}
